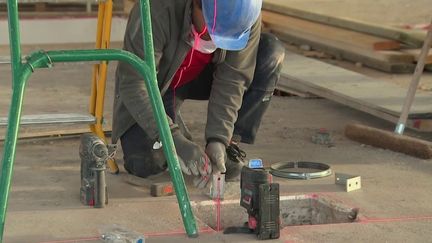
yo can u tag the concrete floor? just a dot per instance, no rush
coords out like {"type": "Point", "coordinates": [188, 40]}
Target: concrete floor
{"type": "Point", "coordinates": [44, 201]}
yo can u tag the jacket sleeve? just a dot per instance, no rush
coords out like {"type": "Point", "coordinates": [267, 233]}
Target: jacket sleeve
{"type": "Point", "coordinates": [231, 79]}
{"type": "Point", "coordinates": [132, 88]}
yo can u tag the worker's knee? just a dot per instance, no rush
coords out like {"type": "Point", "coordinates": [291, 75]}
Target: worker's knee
{"type": "Point", "coordinates": [270, 56]}
{"type": "Point", "coordinates": [271, 52]}
{"type": "Point", "coordinates": [145, 165]}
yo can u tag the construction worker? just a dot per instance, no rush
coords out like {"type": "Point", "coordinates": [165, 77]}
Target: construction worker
{"type": "Point", "coordinates": [204, 50]}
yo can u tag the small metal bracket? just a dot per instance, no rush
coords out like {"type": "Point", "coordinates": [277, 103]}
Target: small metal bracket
{"type": "Point", "coordinates": [36, 54]}
{"type": "Point", "coordinates": [350, 182]}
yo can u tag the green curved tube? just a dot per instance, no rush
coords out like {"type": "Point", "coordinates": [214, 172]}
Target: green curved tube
{"type": "Point", "coordinates": [22, 71]}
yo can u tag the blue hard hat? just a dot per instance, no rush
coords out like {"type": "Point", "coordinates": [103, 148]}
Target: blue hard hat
{"type": "Point", "coordinates": [229, 21]}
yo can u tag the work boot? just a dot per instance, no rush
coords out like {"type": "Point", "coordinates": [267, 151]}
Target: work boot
{"type": "Point", "coordinates": [142, 156]}
{"type": "Point", "coordinates": [151, 163]}
{"type": "Point", "coordinates": [236, 159]}
{"type": "Point", "coordinates": [149, 180]}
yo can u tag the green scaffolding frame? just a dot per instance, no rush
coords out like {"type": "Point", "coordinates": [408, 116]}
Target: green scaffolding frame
{"type": "Point", "coordinates": [21, 72]}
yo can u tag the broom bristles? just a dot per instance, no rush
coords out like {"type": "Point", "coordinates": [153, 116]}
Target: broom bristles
{"type": "Point", "coordinates": [389, 140]}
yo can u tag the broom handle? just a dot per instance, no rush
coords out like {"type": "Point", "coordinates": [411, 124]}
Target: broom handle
{"type": "Point", "coordinates": [414, 82]}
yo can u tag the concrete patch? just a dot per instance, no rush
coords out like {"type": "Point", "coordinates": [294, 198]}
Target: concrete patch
{"type": "Point", "coordinates": [309, 209]}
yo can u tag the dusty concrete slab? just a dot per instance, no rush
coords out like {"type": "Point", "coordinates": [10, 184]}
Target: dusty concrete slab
{"type": "Point", "coordinates": [44, 204]}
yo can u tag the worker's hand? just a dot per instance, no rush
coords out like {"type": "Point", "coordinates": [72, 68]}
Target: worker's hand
{"type": "Point", "coordinates": [193, 160]}
{"type": "Point", "coordinates": [216, 151]}
{"type": "Point", "coordinates": [202, 181]}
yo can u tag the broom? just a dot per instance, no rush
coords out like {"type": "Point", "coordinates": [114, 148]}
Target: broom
{"type": "Point", "coordinates": [396, 141]}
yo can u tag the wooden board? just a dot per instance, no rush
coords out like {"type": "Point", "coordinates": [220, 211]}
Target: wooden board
{"type": "Point", "coordinates": [419, 124]}
{"type": "Point", "coordinates": [416, 53]}
{"type": "Point", "coordinates": [360, 40]}
{"type": "Point", "coordinates": [341, 43]}
{"type": "Point", "coordinates": [282, 86]}
{"type": "Point", "coordinates": [410, 38]}
{"type": "Point", "coordinates": [388, 62]}
{"type": "Point", "coordinates": [379, 98]}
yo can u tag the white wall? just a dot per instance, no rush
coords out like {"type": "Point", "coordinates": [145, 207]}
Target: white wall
{"type": "Point", "coordinates": [61, 30]}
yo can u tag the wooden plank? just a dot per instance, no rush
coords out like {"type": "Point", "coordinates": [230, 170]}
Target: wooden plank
{"type": "Point", "coordinates": [334, 34]}
{"type": "Point", "coordinates": [353, 89]}
{"type": "Point", "coordinates": [410, 38]}
{"type": "Point", "coordinates": [40, 7]}
{"type": "Point", "coordinates": [421, 125]}
{"type": "Point", "coordinates": [386, 61]}
{"type": "Point", "coordinates": [282, 86]}
{"type": "Point", "coordinates": [296, 83]}
{"type": "Point", "coordinates": [416, 53]}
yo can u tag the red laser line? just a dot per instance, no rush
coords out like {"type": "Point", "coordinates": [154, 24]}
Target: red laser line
{"type": "Point", "coordinates": [389, 220]}
{"type": "Point", "coordinates": [178, 232]}
{"type": "Point", "coordinates": [363, 221]}
{"type": "Point", "coordinates": [218, 206]}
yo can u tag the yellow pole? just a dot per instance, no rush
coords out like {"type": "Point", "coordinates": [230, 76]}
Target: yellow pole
{"type": "Point", "coordinates": [97, 99]}
{"type": "Point", "coordinates": [99, 31]}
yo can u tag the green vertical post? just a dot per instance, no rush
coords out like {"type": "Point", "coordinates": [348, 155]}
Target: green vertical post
{"type": "Point", "coordinates": [165, 133]}
{"type": "Point", "coordinates": [18, 85]}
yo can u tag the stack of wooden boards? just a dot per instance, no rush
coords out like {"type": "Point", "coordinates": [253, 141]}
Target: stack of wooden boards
{"type": "Point", "coordinates": [376, 97]}
{"type": "Point", "coordinates": [384, 48]}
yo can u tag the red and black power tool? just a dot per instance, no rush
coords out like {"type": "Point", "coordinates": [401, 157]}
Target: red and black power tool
{"type": "Point", "coordinates": [260, 197]}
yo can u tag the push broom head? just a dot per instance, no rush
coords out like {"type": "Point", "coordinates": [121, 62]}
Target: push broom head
{"type": "Point", "coordinates": [389, 140]}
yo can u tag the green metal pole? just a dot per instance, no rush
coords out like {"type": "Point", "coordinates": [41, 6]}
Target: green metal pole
{"type": "Point", "coordinates": [21, 73]}
{"type": "Point", "coordinates": [9, 148]}
{"type": "Point", "coordinates": [165, 133]}
{"type": "Point", "coordinates": [18, 85]}
{"type": "Point", "coordinates": [147, 32]}
{"type": "Point", "coordinates": [14, 37]}
{"type": "Point", "coordinates": [45, 59]}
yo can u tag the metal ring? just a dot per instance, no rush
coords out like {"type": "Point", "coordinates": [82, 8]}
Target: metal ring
{"type": "Point", "coordinates": [282, 170]}
{"type": "Point", "coordinates": [31, 67]}
{"type": "Point", "coordinates": [50, 62]}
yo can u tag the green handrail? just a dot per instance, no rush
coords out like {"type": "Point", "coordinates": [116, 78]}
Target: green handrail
{"type": "Point", "coordinates": [22, 71]}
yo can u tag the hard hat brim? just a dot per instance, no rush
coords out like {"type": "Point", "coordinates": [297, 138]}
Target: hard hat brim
{"type": "Point", "coordinates": [231, 43]}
